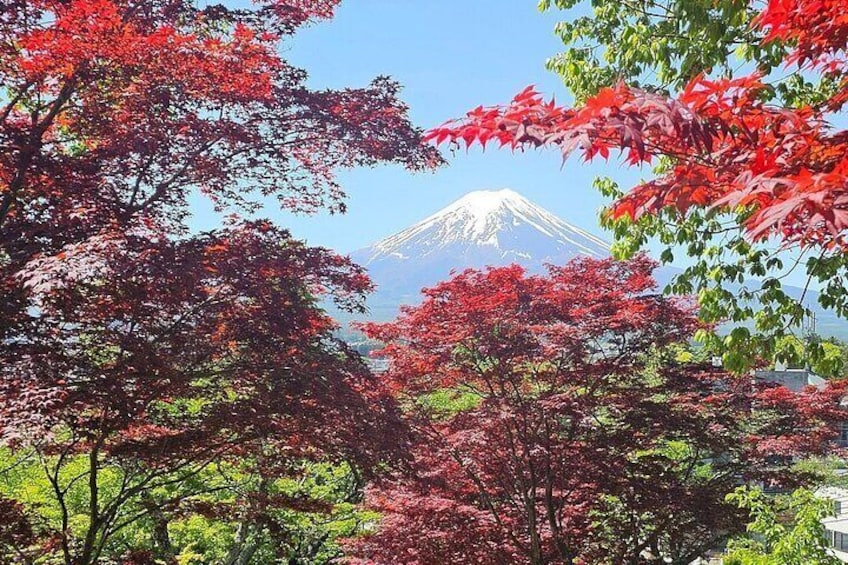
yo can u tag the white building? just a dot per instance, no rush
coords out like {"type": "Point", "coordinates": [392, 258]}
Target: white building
{"type": "Point", "coordinates": [837, 526]}
{"type": "Point", "coordinates": [793, 379]}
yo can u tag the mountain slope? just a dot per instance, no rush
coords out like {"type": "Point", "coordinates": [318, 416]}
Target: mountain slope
{"type": "Point", "coordinates": [487, 227]}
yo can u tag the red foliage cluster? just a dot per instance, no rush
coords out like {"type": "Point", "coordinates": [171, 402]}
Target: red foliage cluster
{"type": "Point", "coordinates": [730, 148]}
{"type": "Point", "coordinates": [15, 529]}
{"type": "Point", "coordinates": [113, 112]}
{"type": "Point", "coordinates": [123, 337]}
{"type": "Point", "coordinates": [576, 436]}
{"type": "Point", "coordinates": [227, 319]}
{"type": "Point", "coordinates": [117, 110]}
{"type": "Point", "coordinates": [817, 28]}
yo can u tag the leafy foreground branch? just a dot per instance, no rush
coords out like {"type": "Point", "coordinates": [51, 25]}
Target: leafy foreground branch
{"type": "Point", "coordinates": [787, 530]}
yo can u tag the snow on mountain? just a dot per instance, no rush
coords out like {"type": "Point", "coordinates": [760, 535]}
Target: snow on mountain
{"type": "Point", "coordinates": [486, 227]}
{"type": "Point", "coordinates": [501, 219]}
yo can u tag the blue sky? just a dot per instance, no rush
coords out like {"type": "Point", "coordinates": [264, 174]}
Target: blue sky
{"type": "Point", "coordinates": [450, 56]}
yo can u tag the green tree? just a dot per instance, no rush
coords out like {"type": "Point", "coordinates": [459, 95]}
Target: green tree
{"type": "Point", "coordinates": [829, 364]}
{"type": "Point", "coordinates": [662, 44]}
{"type": "Point", "coordinates": [226, 514]}
{"type": "Point", "coordinates": [783, 531]}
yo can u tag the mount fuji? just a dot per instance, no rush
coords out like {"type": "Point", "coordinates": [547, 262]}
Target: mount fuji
{"type": "Point", "coordinates": [486, 227]}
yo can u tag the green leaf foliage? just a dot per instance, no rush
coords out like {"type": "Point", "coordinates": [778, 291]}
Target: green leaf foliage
{"type": "Point", "coordinates": [785, 530]}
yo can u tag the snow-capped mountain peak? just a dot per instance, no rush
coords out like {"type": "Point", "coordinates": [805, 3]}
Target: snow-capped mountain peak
{"type": "Point", "coordinates": [483, 228]}
{"type": "Point", "coordinates": [507, 225]}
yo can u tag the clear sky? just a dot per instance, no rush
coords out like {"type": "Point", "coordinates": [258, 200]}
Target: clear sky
{"type": "Point", "coordinates": [450, 56]}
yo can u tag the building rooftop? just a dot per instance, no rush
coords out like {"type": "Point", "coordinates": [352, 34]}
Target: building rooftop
{"type": "Point", "coordinates": [793, 379]}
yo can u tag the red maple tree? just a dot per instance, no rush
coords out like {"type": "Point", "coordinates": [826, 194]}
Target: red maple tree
{"type": "Point", "coordinates": [571, 433]}
{"type": "Point", "coordinates": [125, 341]}
{"type": "Point", "coordinates": [162, 359]}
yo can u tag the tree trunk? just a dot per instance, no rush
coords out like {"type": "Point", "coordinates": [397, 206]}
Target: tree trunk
{"type": "Point", "coordinates": [163, 549]}
{"type": "Point", "coordinates": [243, 548]}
